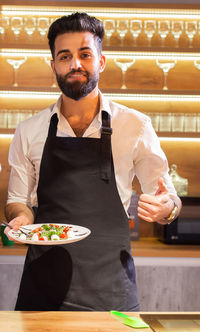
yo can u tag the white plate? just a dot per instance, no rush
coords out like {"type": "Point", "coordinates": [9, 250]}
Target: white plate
{"type": "Point", "coordinates": [80, 234]}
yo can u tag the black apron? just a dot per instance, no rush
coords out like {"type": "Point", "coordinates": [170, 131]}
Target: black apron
{"type": "Point", "coordinates": [77, 186]}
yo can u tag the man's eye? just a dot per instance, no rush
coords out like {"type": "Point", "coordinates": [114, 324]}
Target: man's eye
{"type": "Point", "coordinates": [65, 57]}
{"type": "Point", "coordinates": [85, 55]}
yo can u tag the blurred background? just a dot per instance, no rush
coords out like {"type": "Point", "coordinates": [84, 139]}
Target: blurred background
{"type": "Point", "coordinates": [153, 65]}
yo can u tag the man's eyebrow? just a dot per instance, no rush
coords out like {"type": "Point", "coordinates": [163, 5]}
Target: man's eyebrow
{"type": "Point", "coordinates": [63, 51]}
{"type": "Point", "coordinates": [85, 48]}
{"type": "Point", "coordinates": [68, 51]}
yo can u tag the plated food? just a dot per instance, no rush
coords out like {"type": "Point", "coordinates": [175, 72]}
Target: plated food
{"type": "Point", "coordinates": [50, 234]}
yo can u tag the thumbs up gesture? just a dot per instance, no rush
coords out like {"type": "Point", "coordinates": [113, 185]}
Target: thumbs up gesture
{"type": "Point", "coordinates": [156, 207]}
{"type": "Point", "coordinates": [161, 187]}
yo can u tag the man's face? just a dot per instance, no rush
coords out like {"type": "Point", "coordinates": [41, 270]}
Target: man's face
{"type": "Point", "coordinates": [77, 64]}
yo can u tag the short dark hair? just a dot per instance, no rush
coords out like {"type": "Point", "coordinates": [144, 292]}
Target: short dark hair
{"type": "Point", "coordinates": [76, 22]}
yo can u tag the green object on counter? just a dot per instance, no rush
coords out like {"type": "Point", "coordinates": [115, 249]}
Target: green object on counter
{"type": "Point", "coordinates": [5, 240]}
{"type": "Point", "coordinates": [134, 322]}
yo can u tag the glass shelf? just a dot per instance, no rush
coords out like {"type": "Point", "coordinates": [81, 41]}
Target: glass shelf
{"type": "Point", "coordinates": [113, 52]}
{"type": "Point", "coordinates": [118, 94]}
{"type": "Point", "coordinates": [116, 10]}
{"type": "Point", "coordinates": [163, 137]}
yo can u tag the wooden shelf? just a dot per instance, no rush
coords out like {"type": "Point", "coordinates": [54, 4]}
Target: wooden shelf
{"type": "Point", "coordinates": [108, 4]}
{"type": "Point", "coordinates": [152, 247]}
{"type": "Point", "coordinates": [145, 247]}
{"type": "Point", "coordinates": [115, 92]}
{"type": "Point", "coordinates": [139, 52]}
{"type": "Point", "coordinates": [6, 131]}
{"type": "Point", "coordinates": [176, 135]}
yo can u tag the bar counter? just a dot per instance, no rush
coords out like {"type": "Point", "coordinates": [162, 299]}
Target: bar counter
{"type": "Point", "coordinates": [49, 321]}
{"type": "Point", "coordinates": [161, 271]}
{"type": "Point", "coordinates": [62, 321]}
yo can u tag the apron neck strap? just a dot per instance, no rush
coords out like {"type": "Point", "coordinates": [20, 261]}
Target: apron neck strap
{"type": "Point", "coordinates": [53, 125]}
{"type": "Point", "coordinates": [106, 132]}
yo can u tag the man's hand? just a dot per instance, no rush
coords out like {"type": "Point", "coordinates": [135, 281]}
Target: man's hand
{"type": "Point", "coordinates": [19, 215]}
{"type": "Point", "coordinates": [16, 223]}
{"type": "Point", "coordinates": [156, 208]}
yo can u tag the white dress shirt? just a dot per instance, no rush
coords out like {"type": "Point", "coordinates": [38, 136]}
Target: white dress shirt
{"type": "Point", "coordinates": [135, 147]}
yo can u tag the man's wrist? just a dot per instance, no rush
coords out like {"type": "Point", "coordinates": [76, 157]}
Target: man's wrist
{"type": "Point", "coordinates": [173, 213]}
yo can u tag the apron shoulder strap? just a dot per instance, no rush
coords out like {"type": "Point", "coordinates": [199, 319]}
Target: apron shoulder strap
{"type": "Point", "coordinates": [53, 125]}
{"type": "Point", "coordinates": [106, 132]}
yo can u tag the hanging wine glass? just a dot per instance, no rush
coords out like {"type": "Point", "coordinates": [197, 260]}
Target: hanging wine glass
{"type": "Point", "coordinates": [16, 63]}
{"type": "Point", "coordinates": [4, 23]}
{"type": "Point", "coordinates": [109, 27]}
{"type": "Point", "coordinates": [135, 29]}
{"type": "Point", "coordinates": [122, 29]}
{"type": "Point", "coordinates": [163, 30]}
{"type": "Point", "coordinates": [124, 64]}
{"type": "Point", "coordinates": [48, 62]}
{"type": "Point", "coordinates": [166, 66]}
{"type": "Point", "coordinates": [190, 30]}
{"type": "Point", "coordinates": [149, 29]}
{"type": "Point", "coordinates": [43, 26]}
{"type": "Point", "coordinates": [29, 26]}
{"type": "Point", "coordinates": [177, 29]}
{"type": "Point", "coordinates": [16, 25]}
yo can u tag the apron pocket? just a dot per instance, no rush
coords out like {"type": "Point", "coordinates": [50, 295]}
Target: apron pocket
{"type": "Point", "coordinates": [128, 265]}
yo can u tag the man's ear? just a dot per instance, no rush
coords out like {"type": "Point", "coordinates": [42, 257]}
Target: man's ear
{"type": "Point", "coordinates": [102, 63]}
{"type": "Point", "coordinates": [52, 66]}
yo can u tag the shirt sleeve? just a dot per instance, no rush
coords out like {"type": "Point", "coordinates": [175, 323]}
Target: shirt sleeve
{"type": "Point", "coordinates": [22, 177]}
{"type": "Point", "coordinates": [151, 162]}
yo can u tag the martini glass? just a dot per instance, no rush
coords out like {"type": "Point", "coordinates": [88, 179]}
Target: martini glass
{"type": "Point", "coordinates": [196, 64]}
{"type": "Point", "coordinates": [48, 62]}
{"type": "Point", "coordinates": [166, 66]}
{"type": "Point", "coordinates": [16, 63]}
{"type": "Point", "coordinates": [124, 64]}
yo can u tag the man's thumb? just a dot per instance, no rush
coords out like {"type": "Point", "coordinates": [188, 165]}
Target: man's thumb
{"type": "Point", "coordinates": [161, 187]}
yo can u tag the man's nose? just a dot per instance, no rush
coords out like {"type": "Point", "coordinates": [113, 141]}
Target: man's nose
{"type": "Point", "coordinates": [75, 63]}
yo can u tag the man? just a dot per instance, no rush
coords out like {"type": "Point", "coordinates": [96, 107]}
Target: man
{"type": "Point", "coordinates": [75, 162]}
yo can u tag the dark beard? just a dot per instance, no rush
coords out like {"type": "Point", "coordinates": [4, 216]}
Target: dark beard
{"type": "Point", "coordinates": [77, 89]}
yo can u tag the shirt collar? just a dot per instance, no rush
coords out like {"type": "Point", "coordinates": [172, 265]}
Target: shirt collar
{"type": "Point", "coordinates": [104, 106]}
{"type": "Point", "coordinates": [56, 108]}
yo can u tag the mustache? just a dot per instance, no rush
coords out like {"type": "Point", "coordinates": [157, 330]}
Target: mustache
{"type": "Point", "coordinates": [73, 71]}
